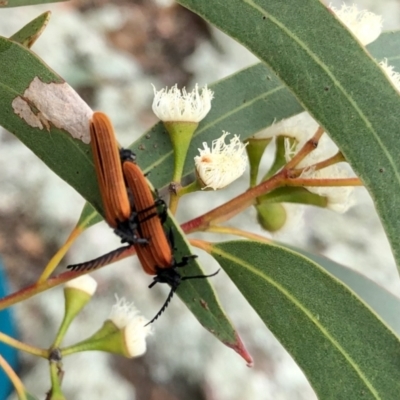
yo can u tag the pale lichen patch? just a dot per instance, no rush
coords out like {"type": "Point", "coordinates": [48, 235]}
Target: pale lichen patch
{"type": "Point", "coordinates": [58, 104]}
{"type": "Point", "coordinates": [22, 109]}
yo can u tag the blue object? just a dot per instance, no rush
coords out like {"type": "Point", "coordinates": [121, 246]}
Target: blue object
{"type": "Point", "coordinates": [6, 326]}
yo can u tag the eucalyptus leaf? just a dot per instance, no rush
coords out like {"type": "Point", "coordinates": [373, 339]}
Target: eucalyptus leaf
{"type": "Point", "coordinates": [200, 298]}
{"type": "Point", "coordinates": [387, 47]}
{"type": "Point", "coordinates": [89, 216]}
{"type": "Point", "coordinates": [68, 157]}
{"type": "Point", "coordinates": [343, 348]}
{"type": "Point", "coordinates": [20, 3]}
{"type": "Point", "coordinates": [28, 35]}
{"type": "Point", "coordinates": [239, 106]}
{"type": "Point", "coordinates": [385, 304]}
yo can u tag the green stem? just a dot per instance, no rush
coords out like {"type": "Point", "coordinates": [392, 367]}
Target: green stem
{"type": "Point", "coordinates": [56, 375]}
{"type": "Point", "coordinates": [23, 346]}
{"type": "Point", "coordinates": [337, 158]}
{"type": "Point", "coordinates": [306, 150]}
{"type": "Point", "coordinates": [192, 187]}
{"type": "Point", "coordinates": [322, 182]}
{"type": "Point", "coordinates": [237, 232]}
{"type": "Point", "coordinates": [53, 263]}
{"type": "Point", "coordinates": [36, 288]}
{"type": "Point", "coordinates": [18, 386]}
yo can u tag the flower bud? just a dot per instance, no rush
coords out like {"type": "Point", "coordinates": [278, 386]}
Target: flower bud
{"type": "Point", "coordinates": [77, 293]}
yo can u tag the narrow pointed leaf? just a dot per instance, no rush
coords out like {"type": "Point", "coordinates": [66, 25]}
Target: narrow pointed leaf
{"type": "Point", "coordinates": [28, 35]}
{"type": "Point", "coordinates": [343, 348]}
{"type": "Point", "coordinates": [200, 298]}
{"type": "Point", "coordinates": [89, 216]}
{"type": "Point", "coordinates": [20, 3]}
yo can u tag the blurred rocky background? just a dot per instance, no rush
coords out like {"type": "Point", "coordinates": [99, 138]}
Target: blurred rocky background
{"type": "Point", "coordinates": [111, 53]}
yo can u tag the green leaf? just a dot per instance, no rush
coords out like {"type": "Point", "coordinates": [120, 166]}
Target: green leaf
{"type": "Point", "coordinates": [67, 157]}
{"type": "Point", "coordinates": [333, 77]}
{"type": "Point", "coordinates": [200, 298]}
{"type": "Point", "coordinates": [19, 3]}
{"type": "Point", "coordinates": [89, 216]}
{"type": "Point", "coordinates": [28, 35]}
{"type": "Point", "coordinates": [385, 304]}
{"type": "Point", "coordinates": [387, 47]}
{"type": "Point", "coordinates": [343, 348]}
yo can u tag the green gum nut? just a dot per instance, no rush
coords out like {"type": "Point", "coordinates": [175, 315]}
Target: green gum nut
{"type": "Point", "coordinates": [271, 216]}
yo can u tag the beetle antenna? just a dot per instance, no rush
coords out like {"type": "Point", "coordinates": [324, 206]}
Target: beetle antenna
{"type": "Point", "coordinates": [185, 278]}
{"type": "Point", "coordinates": [165, 305]}
{"type": "Point", "coordinates": [98, 262]}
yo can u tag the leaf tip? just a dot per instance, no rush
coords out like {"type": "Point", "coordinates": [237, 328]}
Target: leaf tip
{"type": "Point", "coordinates": [240, 348]}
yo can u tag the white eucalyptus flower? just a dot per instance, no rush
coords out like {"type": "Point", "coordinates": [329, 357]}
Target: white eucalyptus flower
{"type": "Point", "coordinates": [300, 127]}
{"type": "Point", "coordinates": [364, 25]}
{"type": "Point", "coordinates": [175, 105]}
{"type": "Point", "coordinates": [339, 197]}
{"type": "Point", "coordinates": [128, 319]}
{"type": "Point", "coordinates": [294, 220]}
{"type": "Point", "coordinates": [394, 76]}
{"type": "Point", "coordinates": [326, 149]}
{"type": "Point", "coordinates": [222, 164]}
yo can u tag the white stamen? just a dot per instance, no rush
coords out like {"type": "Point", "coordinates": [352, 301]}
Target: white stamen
{"type": "Point", "coordinates": [223, 163]}
{"type": "Point", "coordinates": [365, 26]}
{"type": "Point", "coordinates": [176, 105]}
